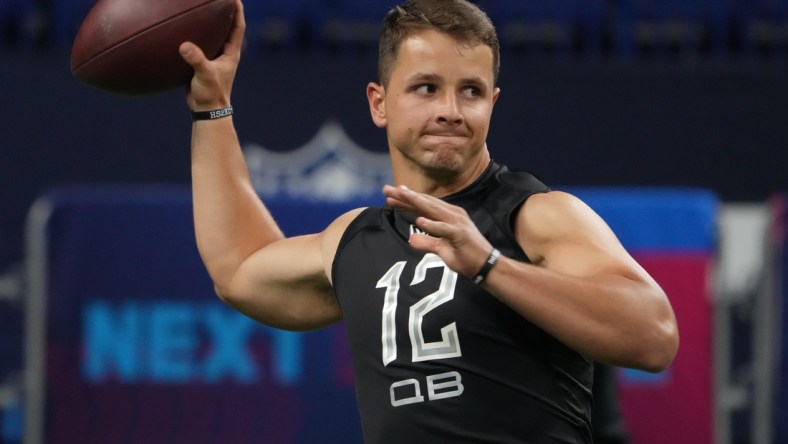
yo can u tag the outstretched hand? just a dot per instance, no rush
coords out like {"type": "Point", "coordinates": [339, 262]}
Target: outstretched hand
{"type": "Point", "coordinates": [211, 86]}
{"type": "Point", "coordinates": [452, 235]}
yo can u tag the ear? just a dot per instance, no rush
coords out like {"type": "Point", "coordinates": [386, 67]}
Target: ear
{"type": "Point", "coordinates": [376, 95]}
{"type": "Point", "coordinates": [496, 93]}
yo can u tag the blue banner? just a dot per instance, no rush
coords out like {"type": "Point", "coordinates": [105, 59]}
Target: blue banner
{"type": "Point", "coordinates": [139, 349]}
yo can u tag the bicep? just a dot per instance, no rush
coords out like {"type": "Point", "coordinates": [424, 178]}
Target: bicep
{"type": "Point", "coordinates": [561, 233]}
{"type": "Point", "coordinates": [287, 284]}
{"type": "Point", "coordinates": [284, 285]}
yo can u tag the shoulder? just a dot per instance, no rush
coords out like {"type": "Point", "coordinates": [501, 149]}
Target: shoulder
{"type": "Point", "coordinates": [554, 206]}
{"type": "Point", "coordinates": [503, 192]}
{"type": "Point", "coordinates": [504, 184]}
{"type": "Point", "coordinates": [520, 180]}
{"type": "Point", "coordinates": [333, 234]}
{"type": "Point", "coordinates": [554, 218]}
{"type": "Point", "coordinates": [508, 190]}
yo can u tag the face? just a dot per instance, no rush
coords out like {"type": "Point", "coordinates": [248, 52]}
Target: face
{"type": "Point", "coordinates": [437, 105]}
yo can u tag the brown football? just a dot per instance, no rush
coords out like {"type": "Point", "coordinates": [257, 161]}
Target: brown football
{"type": "Point", "coordinates": [130, 47]}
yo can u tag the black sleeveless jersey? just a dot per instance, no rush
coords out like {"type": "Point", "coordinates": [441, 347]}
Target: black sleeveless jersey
{"type": "Point", "coordinates": [436, 358]}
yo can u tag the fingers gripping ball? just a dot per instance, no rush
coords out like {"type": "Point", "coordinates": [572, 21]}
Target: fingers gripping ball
{"type": "Point", "coordinates": [131, 46]}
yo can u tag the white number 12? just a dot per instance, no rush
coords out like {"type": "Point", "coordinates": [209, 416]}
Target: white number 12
{"type": "Point", "coordinates": [449, 345]}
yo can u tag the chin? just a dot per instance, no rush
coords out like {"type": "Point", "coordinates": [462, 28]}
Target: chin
{"type": "Point", "coordinates": [444, 167]}
{"type": "Point", "coordinates": [445, 159]}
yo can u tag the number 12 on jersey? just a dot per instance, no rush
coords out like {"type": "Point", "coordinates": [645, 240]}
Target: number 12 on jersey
{"type": "Point", "coordinates": [447, 347]}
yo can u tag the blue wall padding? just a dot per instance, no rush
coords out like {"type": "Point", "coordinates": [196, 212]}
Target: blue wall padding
{"type": "Point", "coordinates": [657, 219]}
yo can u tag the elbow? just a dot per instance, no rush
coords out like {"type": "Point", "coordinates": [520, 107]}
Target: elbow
{"type": "Point", "coordinates": [222, 293]}
{"type": "Point", "coordinates": [659, 350]}
{"type": "Point", "coordinates": [228, 297]}
{"type": "Point", "coordinates": [658, 341]}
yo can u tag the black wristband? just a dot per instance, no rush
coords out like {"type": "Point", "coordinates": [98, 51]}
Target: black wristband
{"type": "Point", "coordinates": [213, 114]}
{"type": "Point", "coordinates": [491, 260]}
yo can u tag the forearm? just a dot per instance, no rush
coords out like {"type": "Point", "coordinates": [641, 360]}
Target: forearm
{"type": "Point", "coordinates": [230, 221]}
{"type": "Point", "coordinates": [608, 318]}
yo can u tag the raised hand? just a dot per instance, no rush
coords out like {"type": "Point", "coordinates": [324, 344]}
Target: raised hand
{"type": "Point", "coordinates": [212, 83]}
{"type": "Point", "coordinates": [451, 234]}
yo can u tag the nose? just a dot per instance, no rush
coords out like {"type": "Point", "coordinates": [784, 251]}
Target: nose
{"type": "Point", "coordinates": [449, 112]}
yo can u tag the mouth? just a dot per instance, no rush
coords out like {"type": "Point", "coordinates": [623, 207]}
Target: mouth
{"type": "Point", "coordinates": [444, 141]}
{"type": "Point", "coordinates": [446, 135]}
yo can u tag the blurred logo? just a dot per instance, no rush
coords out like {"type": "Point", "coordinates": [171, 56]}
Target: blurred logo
{"type": "Point", "coordinates": [180, 342]}
{"type": "Point", "coordinates": [330, 167]}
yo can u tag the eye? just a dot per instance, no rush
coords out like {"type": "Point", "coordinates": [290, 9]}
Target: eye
{"type": "Point", "coordinates": [471, 91]}
{"type": "Point", "coordinates": [426, 88]}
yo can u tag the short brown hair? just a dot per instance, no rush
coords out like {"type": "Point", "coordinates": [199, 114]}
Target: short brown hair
{"type": "Point", "coordinates": [460, 19]}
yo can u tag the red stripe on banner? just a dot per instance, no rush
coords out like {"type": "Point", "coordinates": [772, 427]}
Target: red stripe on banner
{"type": "Point", "coordinates": [676, 406]}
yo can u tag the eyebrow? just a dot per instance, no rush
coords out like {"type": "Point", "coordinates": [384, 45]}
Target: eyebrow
{"type": "Point", "coordinates": [423, 77]}
{"type": "Point", "coordinates": [427, 77]}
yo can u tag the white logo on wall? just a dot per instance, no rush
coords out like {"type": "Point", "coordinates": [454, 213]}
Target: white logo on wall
{"type": "Point", "coordinates": [329, 167]}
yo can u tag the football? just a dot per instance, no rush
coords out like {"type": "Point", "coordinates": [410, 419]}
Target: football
{"type": "Point", "coordinates": [130, 47]}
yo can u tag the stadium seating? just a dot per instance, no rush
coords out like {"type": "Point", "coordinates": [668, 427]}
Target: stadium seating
{"type": "Point", "coordinates": [621, 28]}
{"type": "Point", "coordinates": [764, 27]}
{"type": "Point", "coordinates": [15, 22]}
{"type": "Point", "coordinates": [355, 24]}
{"type": "Point", "coordinates": [679, 27]}
{"type": "Point", "coordinates": [65, 17]}
{"type": "Point", "coordinates": [548, 26]}
{"type": "Point", "coordinates": [284, 25]}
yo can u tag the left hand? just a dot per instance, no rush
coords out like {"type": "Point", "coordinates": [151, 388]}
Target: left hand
{"type": "Point", "coordinates": [452, 234]}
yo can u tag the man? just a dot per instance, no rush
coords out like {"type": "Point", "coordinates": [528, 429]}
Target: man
{"type": "Point", "coordinates": [476, 301]}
